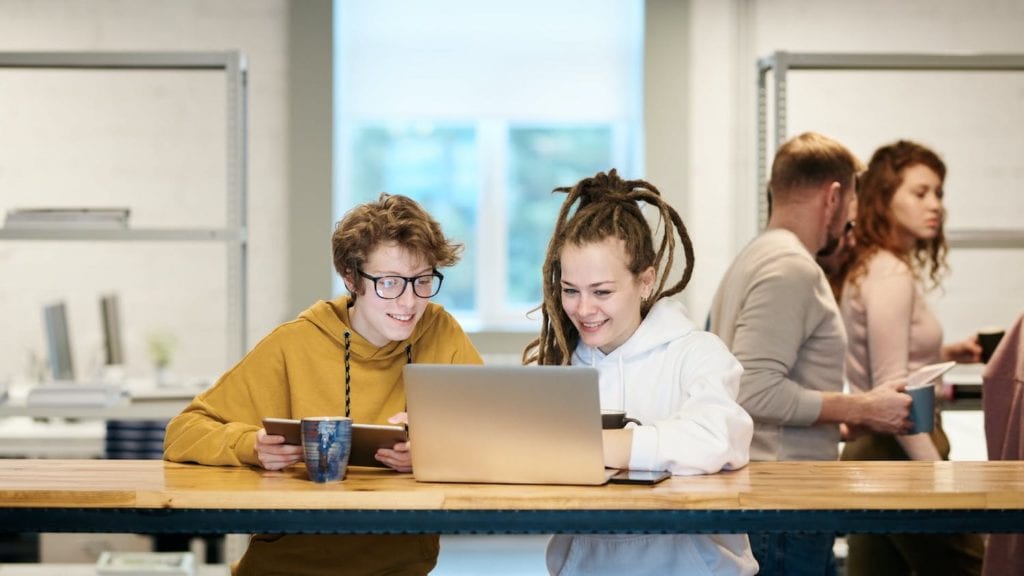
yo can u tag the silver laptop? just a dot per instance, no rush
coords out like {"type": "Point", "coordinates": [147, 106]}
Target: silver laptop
{"type": "Point", "coordinates": [505, 424]}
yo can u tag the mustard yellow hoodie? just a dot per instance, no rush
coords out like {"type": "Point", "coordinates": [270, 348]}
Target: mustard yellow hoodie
{"type": "Point", "coordinates": [298, 370]}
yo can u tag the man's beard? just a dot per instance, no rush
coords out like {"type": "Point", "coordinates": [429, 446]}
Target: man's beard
{"type": "Point", "coordinates": [830, 247]}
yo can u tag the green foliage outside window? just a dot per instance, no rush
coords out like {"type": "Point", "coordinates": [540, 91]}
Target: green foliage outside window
{"type": "Point", "coordinates": [540, 160]}
{"type": "Point", "coordinates": [439, 168]}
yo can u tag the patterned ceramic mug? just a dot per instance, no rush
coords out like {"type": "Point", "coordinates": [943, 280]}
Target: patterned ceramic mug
{"type": "Point", "coordinates": [326, 442]}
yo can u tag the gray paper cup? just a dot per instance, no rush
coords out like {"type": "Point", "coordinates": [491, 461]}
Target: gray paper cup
{"type": "Point", "coordinates": [922, 409]}
{"type": "Point", "coordinates": [326, 444]}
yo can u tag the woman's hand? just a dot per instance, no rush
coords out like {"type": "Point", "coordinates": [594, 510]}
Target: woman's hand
{"type": "Point", "coordinates": [919, 447]}
{"type": "Point", "coordinates": [965, 352]}
{"type": "Point", "coordinates": [618, 447]}
{"type": "Point", "coordinates": [273, 453]}
{"type": "Point", "coordinates": [399, 456]}
{"type": "Point", "coordinates": [850, 432]}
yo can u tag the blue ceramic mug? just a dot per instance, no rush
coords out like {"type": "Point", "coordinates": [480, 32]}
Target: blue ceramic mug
{"type": "Point", "coordinates": [326, 443]}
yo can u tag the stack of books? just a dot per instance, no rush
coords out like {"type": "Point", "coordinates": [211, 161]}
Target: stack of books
{"type": "Point", "coordinates": [75, 218]}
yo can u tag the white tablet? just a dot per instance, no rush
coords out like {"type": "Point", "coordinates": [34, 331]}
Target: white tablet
{"type": "Point", "coordinates": [926, 374]}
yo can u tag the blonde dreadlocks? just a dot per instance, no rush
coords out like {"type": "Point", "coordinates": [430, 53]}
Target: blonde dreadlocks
{"type": "Point", "coordinates": [605, 206]}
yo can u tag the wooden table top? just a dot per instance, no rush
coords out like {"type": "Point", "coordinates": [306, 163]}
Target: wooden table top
{"type": "Point", "coordinates": [154, 484]}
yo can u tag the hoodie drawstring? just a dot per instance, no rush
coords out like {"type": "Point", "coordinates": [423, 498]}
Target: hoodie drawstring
{"type": "Point", "coordinates": [348, 370]}
{"type": "Point", "coordinates": [348, 374]}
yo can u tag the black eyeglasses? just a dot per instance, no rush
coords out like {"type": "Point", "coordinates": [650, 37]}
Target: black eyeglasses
{"type": "Point", "coordinates": [391, 287]}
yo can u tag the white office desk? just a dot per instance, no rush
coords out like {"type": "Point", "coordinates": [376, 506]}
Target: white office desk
{"type": "Point", "coordinates": [129, 409]}
{"type": "Point", "coordinates": [139, 403]}
{"type": "Point", "coordinates": [47, 431]}
{"type": "Point", "coordinates": [24, 437]}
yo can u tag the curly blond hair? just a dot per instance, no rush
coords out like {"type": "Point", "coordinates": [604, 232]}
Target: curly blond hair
{"type": "Point", "coordinates": [392, 218]}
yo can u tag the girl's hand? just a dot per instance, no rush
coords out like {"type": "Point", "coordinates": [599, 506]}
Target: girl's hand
{"type": "Point", "coordinates": [965, 352]}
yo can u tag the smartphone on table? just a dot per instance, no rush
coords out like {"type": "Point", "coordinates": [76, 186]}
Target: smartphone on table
{"type": "Point", "coordinates": [640, 476]}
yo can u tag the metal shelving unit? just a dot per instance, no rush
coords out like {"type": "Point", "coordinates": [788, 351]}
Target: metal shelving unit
{"type": "Point", "coordinates": [781, 63]}
{"type": "Point", "coordinates": [234, 235]}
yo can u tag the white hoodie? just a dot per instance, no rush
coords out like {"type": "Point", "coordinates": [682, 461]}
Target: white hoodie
{"type": "Point", "coordinates": [681, 383]}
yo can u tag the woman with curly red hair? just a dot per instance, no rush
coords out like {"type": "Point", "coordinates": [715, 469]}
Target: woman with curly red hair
{"type": "Point", "coordinates": [899, 253]}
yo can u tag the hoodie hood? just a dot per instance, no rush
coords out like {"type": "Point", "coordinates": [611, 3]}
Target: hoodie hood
{"type": "Point", "coordinates": [666, 321]}
{"type": "Point", "coordinates": [332, 319]}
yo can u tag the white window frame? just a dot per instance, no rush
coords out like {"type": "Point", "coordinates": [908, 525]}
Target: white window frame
{"type": "Point", "coordinates": [492, 311]}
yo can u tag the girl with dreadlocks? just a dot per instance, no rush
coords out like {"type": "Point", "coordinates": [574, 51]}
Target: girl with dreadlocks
{"type": "Point", "coordinates": [606, 305]}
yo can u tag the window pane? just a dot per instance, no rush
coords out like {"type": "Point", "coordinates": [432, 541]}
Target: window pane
{"type": "Point", "coordinates": [507, 122]}
{"type": "Point", "coordinates": [437, 166]}
{"type": "Point", "coordinates": [540, 160]}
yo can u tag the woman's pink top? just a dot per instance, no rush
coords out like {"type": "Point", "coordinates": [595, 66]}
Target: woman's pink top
{"type": "Point", "coordinates": [890, 328]}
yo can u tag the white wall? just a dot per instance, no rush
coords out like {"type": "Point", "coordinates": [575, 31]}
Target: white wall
{"type": "Point", "coordinates": [976, 121]}
{"type": "Point", "coordinates": [700, 147]}
{"type": "Point", "coordinates": [162, 155]}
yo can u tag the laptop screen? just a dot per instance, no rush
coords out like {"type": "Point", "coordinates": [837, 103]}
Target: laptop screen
{"type": "Point", "coordinates": [505, 424]}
